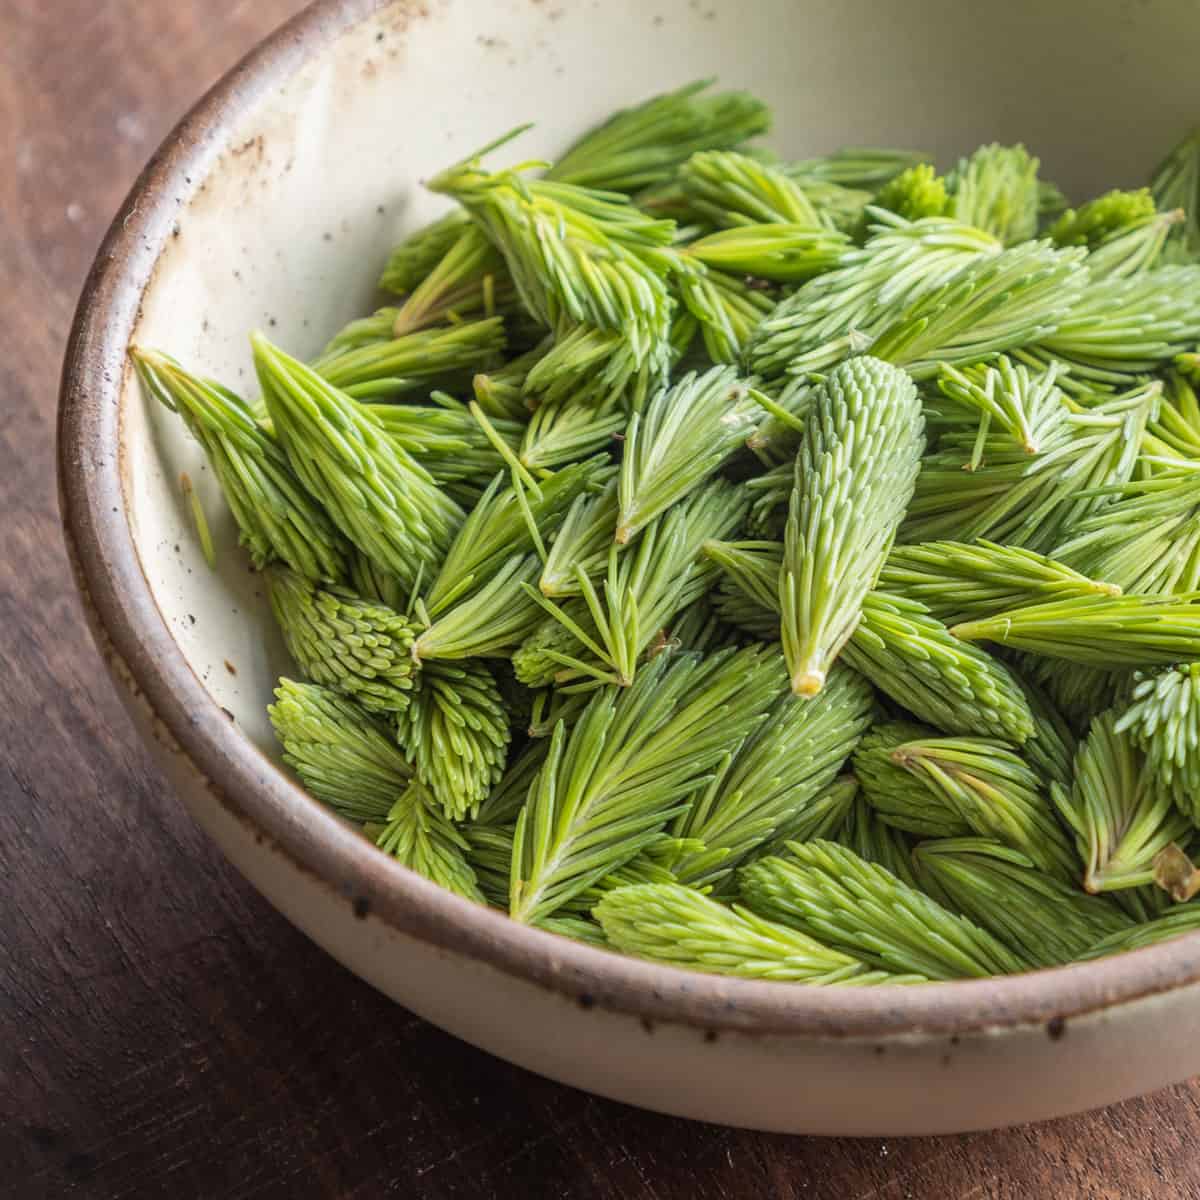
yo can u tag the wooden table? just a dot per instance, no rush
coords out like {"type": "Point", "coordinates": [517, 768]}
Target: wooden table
{"type": "Point", "coordinates": [162, 1031]}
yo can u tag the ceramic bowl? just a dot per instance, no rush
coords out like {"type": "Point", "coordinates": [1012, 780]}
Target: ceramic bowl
{"type": "Point", "coordinates": [273, 205]}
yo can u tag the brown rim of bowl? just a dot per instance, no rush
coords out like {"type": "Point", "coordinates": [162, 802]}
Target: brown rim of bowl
{"type": "Point", "coordinates": [136, 639]}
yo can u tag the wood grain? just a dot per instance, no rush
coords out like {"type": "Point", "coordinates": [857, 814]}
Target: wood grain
{"type": "Point", "coordinates": [162, 1031]}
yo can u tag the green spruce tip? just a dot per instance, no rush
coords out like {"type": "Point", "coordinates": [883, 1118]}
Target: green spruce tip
{"type": "Point", "coordinates": [961, 581]}
{"type": "Point", "coordinates": [1032, 501]}
{"type": "Point", "coordinates": [842, 311]}
{"type": "Point", "coordinates": [646, 868]}
{"type": "Point", "coordinates": [869, 167]}
{"type": "Point", "coordinates": [362, 331]}
{"type": "Point", "coordinates": [1039, 917]}
{"type": "Point", "coordinates": [609, 787]}
{"type": "Point", "coordinates": [672, 924]}
{"type": "Point", "coordinates": [491, 622]}
{"type": "Point", "coordinates": [825, 816]}
{"type": "Point", "coordinates": [733, 190]}
{"type": "Point", "coordinates": [839, 207]}
{"type": "Point", "coordinates": [996, 793]}
{"type": "Point", "coordinates": [377, 495]}
{"type": "Point", "coordinates": [727, 307]}
{"type": "Point", "coordinates": [456, 732]}
{"type": "Point", "coordinates": [948, 683]}
{"type": "Point", "coordinates": [644, 145]}
{"type": "Point", "coordinates": [997, 189]}
{"type": "Point", "coordinates": [277, 519]}
{"type": "Point", "coordinates": [343, 754]}
{"type": "Point", "coordinates": [1094, 222]}
{"type": "Point", "coordinates": [915, 193]}
{"type": "Point", "coordinates": [578, 929]}
{"type": "Point", "coordinates": [581, 544]}
{"type": "Point", "coordinates": [413, 258]}
{"type": "Point", "coordinates": [1084, 385]}
{"type": "Point", "coordinates": [1136, 248]}
{"type": "Point", "coordinates": [1163, 718]}
{"type": "Point", "coordinates": [470, 279]}
{"type": "Point", "coordinates": [538, 660]}
{"type": "Point", "coordinates": [1098, 631]}
{"type": "Point", "coordinates": [686, 433]}
{"type": "Point", "coordinates": [565, 432]}
{"type": "Point", "coordinates": [577, 257]}
{"type": "Point", "coordinates": [418, 834]}
{"type": "Point", "coordinates": [1148, 540]}
{"type": "Point", "coordinates": [854, 476]}
{"type": "Point", "coordinates": [610, 629]}
{"type": "Point", "coordinates": [1131, 323]}
{"type": "Point", "coordinates": [903, 650]}
{"type": "Point", "coordinates": [395, 366]}
{"type": "Point", "coordinates": [752, 567]}
{"type": "Point", "coordinates": [1119, 813]}
{"type": "Point", "coordinates": [635, 148]}
{"type": "Point", "coordinates": [359, 648]}
{"type": "Point", "coordinates": [899, 797]}
{"type": "Point", "coordinates": [782, 253]}
{"type": "Point", "coordinates": [598, 369]}
{"type": "Point", "coordinates": [767, 226]}
{"type": "Point", "coordinates": [1016, 298]}
{"type": "Point", "coordinates": [446, 439]}
{"type": "Point", "coordinates": [501, 393]}
{"type": "Point", "coordinates": [1177, 922]}
{"type": "Point", "coordinates": [774, 778]}
{"type": "Point", "coordinates": [828, 892]}
{"type": "Point", "coordinates": [509, 521]}
{"type": "Point", "coordinates": [1007, 396]}
{"type": "Point", "coordinates": [872, 839]}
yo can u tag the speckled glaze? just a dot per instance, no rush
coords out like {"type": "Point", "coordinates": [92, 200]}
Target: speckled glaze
{"type": "Point", "coordinates": [272, 205]}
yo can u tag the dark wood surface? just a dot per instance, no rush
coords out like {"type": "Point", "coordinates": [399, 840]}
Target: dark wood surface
{"type": "Point", "coordinates": [162, 1031]}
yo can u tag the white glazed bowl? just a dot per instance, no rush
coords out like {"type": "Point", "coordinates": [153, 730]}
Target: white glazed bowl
{"type": "Point", "coordinates": [273, 205]}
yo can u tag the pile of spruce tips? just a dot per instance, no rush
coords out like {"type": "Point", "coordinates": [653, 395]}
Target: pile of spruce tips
{"type": "Point", "coordinates": [782, 569]}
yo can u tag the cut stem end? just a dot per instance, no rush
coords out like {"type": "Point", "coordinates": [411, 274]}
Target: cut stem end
{"type": "Point", "coordinates": [808, 683]}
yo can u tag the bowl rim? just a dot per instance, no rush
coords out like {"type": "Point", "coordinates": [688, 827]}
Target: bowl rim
{"type": "Point", "coordinates": [133, 636]}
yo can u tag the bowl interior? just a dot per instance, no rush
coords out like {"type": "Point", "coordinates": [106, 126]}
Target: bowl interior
{"type": "Point", "coordinates": [289, 220]}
